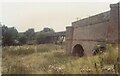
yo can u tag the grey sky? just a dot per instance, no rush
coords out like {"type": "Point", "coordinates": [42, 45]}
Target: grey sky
{"type": "Point", "coordinates": [56, 15]}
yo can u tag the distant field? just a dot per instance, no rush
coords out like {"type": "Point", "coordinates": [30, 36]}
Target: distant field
{"type": "Point", "coordinates": [51, 59]}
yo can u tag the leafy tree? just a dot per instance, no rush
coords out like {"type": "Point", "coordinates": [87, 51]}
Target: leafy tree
{"type": "Point", "coordinates": [30, 34]}
{"type": "Point", "coordinates": [22, 39]}
{"type": "Point", "coordinates": [0, 34]}
{"type": "Point", "coordinates": [48, 30]}
{"type": "Point", "coordinates": [42, 36]}
{"type": "Point", "coordinates": [0, 31]}
{"type": "Point", "coordinates": [9, 35]}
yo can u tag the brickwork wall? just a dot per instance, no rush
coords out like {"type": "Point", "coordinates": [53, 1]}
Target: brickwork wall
{"type": "Point", "coordinates": [119, 26]}
{"type": "Point", "coordinates": [93, 30]}
{"type": "Point", "coordinates": [113, 24]}
{"type": "Point", "coordinates": [69, 39]}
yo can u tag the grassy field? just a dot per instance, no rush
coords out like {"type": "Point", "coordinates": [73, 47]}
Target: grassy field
{"type": "Point", "coordinates": [51, 59]}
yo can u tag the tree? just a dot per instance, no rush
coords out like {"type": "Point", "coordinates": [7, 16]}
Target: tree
{"type": "Point", "coordinates": [48, 30]}
{"type": "Point", "coordinates": [30, 34]}
{"type": "Point", "coordinates": [9, 35]}
{"type": "Point", "coordinates": [22, 39]}
{"type": "Point", "coordinates": [0, 34]}
{"type": "Point", "coordinates": [42, 36]}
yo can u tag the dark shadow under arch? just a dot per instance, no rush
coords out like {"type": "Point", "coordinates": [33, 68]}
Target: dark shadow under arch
{"type": "Point", "coordinates": [78, 50]}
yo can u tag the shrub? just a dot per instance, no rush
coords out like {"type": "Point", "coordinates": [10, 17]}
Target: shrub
{"type": "Point", "coordinates": [111, 55]}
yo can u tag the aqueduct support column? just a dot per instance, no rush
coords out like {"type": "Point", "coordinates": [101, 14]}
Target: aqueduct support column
{"type": "Point", "coordinates": [69, 37]}
{"type": "Point", "coordinates": [113, 25]}
{"type": "Point", "coordinates": [119, 36]}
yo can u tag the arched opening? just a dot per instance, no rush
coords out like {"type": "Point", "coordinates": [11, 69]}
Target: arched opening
{"type": "Point", "coordinates": [78, 50]}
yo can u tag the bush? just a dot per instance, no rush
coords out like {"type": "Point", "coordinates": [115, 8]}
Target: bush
{"type": "Point", "coordinates": [111, 55]}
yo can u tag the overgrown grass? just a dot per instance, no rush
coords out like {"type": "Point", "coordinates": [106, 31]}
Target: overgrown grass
{"type": "Point", "coordinates": [51, 59]}
{"type": "Point", "coordinates": [111, 55]}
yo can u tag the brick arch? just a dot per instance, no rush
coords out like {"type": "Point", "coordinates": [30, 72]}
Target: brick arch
{"type": "Point", "coordinates": [78, 50]}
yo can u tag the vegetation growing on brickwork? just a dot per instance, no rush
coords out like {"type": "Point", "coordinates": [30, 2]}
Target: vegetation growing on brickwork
{"type": "Point", "coordinates": [51, 59]}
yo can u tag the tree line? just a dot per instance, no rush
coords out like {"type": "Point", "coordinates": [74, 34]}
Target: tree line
{"type": "Point", "coordinates": [11, 36]}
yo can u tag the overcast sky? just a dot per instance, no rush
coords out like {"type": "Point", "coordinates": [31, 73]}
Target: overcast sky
{"type": "Point", "coordinates": [56, 15]}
